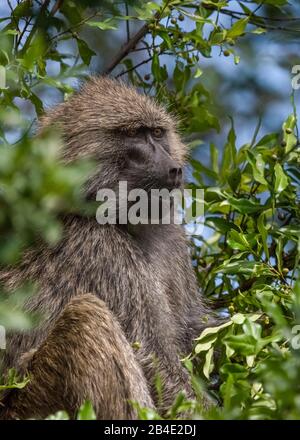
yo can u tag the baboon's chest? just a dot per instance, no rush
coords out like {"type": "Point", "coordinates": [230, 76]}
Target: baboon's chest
{"type": "Point", "coordinates": [136, 290]}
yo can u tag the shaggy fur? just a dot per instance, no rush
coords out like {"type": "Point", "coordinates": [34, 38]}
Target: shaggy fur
{"type": "Point", "coordinates": [141, 284]}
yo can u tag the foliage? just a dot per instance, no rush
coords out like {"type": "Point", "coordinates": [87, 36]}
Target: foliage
{"type": "Point", "coordinates": [35, 188]}
{"type": "Point", "coordinates": [249, 265]}
{"type": "Point", "coordinates": [13, 381]}
{"type": "Point", "coordinates": [247, 261]}
{"type": "Point", "coordinates": [85, 412]}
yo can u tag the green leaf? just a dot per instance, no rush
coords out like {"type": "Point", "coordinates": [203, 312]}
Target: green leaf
{"type": "Point", "coordinates": [238, 318]}
{"type": "Point", "coordinates": [237, 240]}
{"type": "Point", "coordinates": [281, 179]}
{"type": "Point", "coordinates": [238, 28]}
{"type": "Point", "coordinates": [35, 51]}
{"type": "Point", "coordinates": [245, 267]}
{"type": "Point", "coordinates": [264, 233]}
{"type": "Point", "coordinates": [229, 155]}
{"type": "Point", "coordinates": [250, 360]}
{"type": "Point", "coordinates": [198, 166]}
{"type": "Point", "coordinates": [59, 415]}
{"type": "Point", "coordinates": [269, 140]}
{"type": "Point", "coordinates": [38, 104]}
{"type": "Point", "coordinates": [242, 344]}
{"type": "Point", "coordinates": [23, 9]}
{"type": "Point", "coordinates": [86, 412]}
{"type": "Point", "coordinates": [213, 330]}
{"type": "Point", "coordinates": [259, 31]}
{"type": "Point", "coordinates": [13, 381]}
{"type": "Point", "coordinates": [145, 10]}
{"type": "Point", "coordinates": [252, 328]}
{"type": "Point", "coordinates": [214, 156]}
{"type": "Point", "coordinates": [85, 52]}
{"type": "Point", "coordinates": [205, 345]}
{"type": "Point", "coordinates": [239, 371]}
{"type": "Point", "coordinates": [245, 206]}
{"type": "Point", "coordinates": [198, 73]}
{"type": "Point", "coordinates": [103, 25]}
{"type": "Point", "coordinates": [288, 133]}
{"type": "Point", "coordinates": [15, 385]}
{"type": "Point", "coordinates": [258, 166]}
{"type": "Point", "coordinates": [234, 179]}
{"type": "Point", "coordinates": [237, 59]}
{"type": "Point", "coordinates": [279, 253]}
{"type": "Point", "coordinates": [155, 67]}
{"type": "Point", "coordinates": [209, 364]}
{"type": "Point", "coordinates": [220, 224]}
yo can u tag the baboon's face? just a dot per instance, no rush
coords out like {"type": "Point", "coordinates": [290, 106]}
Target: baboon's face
{"type": "Point", "coordinates": [145, 160]}
{"type": "Point", "coordinates": [129, 135]}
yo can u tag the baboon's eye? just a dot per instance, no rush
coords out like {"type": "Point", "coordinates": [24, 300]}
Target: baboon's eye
{"type": "Point", "coordinates": [157, 132]}
{"type": "Point", "coordinates": [131, 132]}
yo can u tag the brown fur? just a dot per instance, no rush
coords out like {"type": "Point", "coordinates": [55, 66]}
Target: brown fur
{"type": "Point", "coordinates": [142, 284]}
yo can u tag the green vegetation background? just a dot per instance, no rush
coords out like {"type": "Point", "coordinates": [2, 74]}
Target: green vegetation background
{"type": "Point", "coordinates": [247, 260]}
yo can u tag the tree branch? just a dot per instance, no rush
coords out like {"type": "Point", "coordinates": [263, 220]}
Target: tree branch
{"type": "Point", "coordinates": [134, 67]}
{"type": "Point", "coordinates": [76, 26]}
{"type": "Point", "coordinates": [43, 10]}
{"type": "Point", "coordinates": [256, 20]}
{"type": "Point", "coordinates": [56, 7]}
{"type": "Point", "coordinates": [127, 48]}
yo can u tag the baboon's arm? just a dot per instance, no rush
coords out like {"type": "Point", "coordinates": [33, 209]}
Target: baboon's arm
{"type": "Point", "coordinates": [85, 356]}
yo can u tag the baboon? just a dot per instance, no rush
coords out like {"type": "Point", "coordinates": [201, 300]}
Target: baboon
{"type": "Point", "coordinates": [104, 290]}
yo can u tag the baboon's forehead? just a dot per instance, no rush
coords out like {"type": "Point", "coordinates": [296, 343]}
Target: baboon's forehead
{"type": "Point", "coordinates": [118, 105]}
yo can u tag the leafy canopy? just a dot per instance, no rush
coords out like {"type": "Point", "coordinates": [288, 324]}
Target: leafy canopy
{"type": "Point", "coordinates": [247, 261]}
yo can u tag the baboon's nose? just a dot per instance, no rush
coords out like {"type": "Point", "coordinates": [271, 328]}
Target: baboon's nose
{"type": "Point", "coordinates": [175, 175]}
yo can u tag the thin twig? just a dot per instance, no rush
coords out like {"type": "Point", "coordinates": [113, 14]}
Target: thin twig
{"type": "Point", "coordinates": [127, 22]}
{"type": "Point", "coordinates": [215, 8]}
{"type": "Point", "coordinates": [36, 25]}
{"type": "Point", "coordinates": [127, 48]}
{"type": "Point", "coordinates": [253, 19]}
{"type": "Point", "coordinates": [27, 23]}
{"type": "Point", "coordinates": [16, 24]}
{"type": "Point", "coordinates": [77, 25]}
{"type": "Point", "coordinates": [134, 67]}
{"type": "Point", "coordinates": [10, 6]}
{"type": "Point", "coordinates": [56, 7]}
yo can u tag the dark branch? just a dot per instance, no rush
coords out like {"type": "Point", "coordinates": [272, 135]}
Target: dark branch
{"type": "Point", "coordinates": [56, 7]}
{"type": "Point", "coordinates": [134, 67]}
{"type": "Point", "coordinates": [43, 10]}
{"type": "Point", "coordinates": [256, 20]}
{"type": "Point", "coordinates": [126, 49]}
{"type": "Point", "coordinates": [36, 25]}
